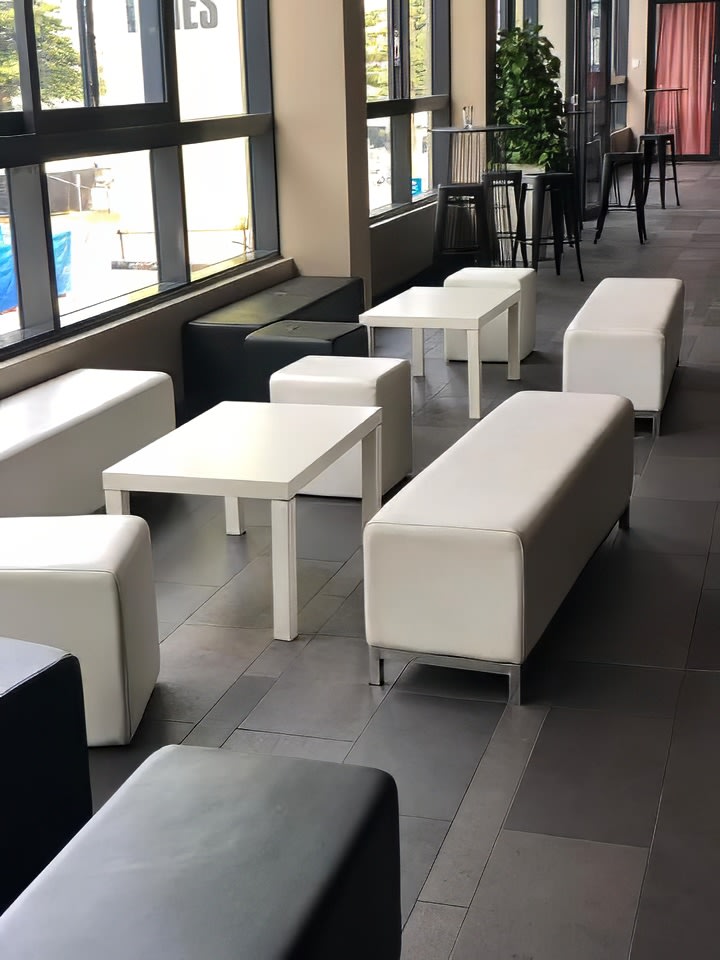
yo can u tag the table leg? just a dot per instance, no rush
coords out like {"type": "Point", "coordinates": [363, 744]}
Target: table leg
{"type": "Point", "coordinates": [234, 516]}
{"type": "Point", "coordinates": [513, 342]}
{"type": "Point", "coordinates": [284, 569]}
{"type": "Point", "coordinates": [371, 341]}
{"type": "Point", "coordinates": [117, 501]}
{"type": "Point", "coordinates": [474, 374]}
{"type": "Point", "coordinates": [418, 352]}
{"type": "Point", "coordinates": [371, 473]}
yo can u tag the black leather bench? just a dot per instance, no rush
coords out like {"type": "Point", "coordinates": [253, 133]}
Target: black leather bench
{"type": "Point", "coordinates": [213, 345]}
{"type": "Point", "coordinates": [44, 779]}
{"type": "Point", "coordinates": [206, 854]}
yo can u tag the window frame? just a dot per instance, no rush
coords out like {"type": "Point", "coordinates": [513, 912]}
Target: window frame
{"type": "Point", "coordinates": [399, 107]}
{"type": "Point", "coordinates": [36, 136]}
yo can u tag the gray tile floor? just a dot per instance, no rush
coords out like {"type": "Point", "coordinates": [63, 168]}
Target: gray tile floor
{"type": "Point", "coordinates": [583, 825]}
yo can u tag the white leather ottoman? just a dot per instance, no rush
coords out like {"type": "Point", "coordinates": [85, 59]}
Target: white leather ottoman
{"type": "Point", "coordinates": [466, 565]}
{"type": "Point", "coordinates": [493, 337]}
{"type": "Point", "coordinates": [625, 340]}
{"type": "Point", "coordinates": [85, 584]}
{"type": "Point", "coordinates": [365, 381]}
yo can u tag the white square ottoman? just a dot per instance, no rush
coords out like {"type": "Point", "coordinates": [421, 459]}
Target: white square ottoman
{"type": "Point", "coordinates": [493, 337]}
{"type": "Point", "coordinates": [625, 340]}
{"type": "Point", "coordinates": [365, 381]}
{"type": "Point", "coordinates": [85, 584]}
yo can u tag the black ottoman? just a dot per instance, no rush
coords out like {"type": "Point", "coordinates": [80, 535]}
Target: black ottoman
{"type": "Point", "coordinates": [212, 345]}
{"type": "Point", "coordinates": [275, 346]}
{"type": "Point", "coordinates": [206, 854]}
{"type": "Point", "coordinates": [45, 793]}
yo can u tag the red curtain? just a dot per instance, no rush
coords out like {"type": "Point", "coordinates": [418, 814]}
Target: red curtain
{"type": "Point", "coordinates": [684, 58]}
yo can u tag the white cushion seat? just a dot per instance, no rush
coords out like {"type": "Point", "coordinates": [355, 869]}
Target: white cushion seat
{"type": "Point", "coordinates": [365, 381]}
{"type": "Point", "coordinates": [85, 585]}
{"type": "Point", "coordinates": [57, 437]}
{"type": "Point", "coordinates": [473, 557]}
{"type": "Point", "coordinates": [626, 340]}
{"type": "Point", "coordinates": [493, 337]}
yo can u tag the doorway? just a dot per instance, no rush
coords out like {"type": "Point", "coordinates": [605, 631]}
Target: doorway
{"type": "Point", "coordinates": [683, 75]}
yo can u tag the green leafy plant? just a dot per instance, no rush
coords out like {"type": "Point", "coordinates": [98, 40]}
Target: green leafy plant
{"type": "Point", "coordinates": [528, 95]}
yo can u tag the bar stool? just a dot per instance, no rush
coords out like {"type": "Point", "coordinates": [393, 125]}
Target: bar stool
{"type": "Point", "coordinates": [612, 162]}
{"type": "Point", "coordinates": [505, 195]}
{"type": "Point", "coordinates": [660, 143]}
{"type": "Point", "coordinates": [563, 209]}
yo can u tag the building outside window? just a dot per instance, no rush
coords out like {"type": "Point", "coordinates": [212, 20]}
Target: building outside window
{"type": "Point", "coordinates": [138, 155]}
{"type": "Point", "coordinates": [407, 68]}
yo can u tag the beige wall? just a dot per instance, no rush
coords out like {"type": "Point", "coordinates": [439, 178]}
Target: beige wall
{"type": "Point", "coordinates": [149, 341]}
{"type": "Point", "coordinates": [637, 75]}
{"type": "Point", "coordinates": [318, 56]}
{"type": "Point", "coordinates": [467, 58]}
{"type": "Point", "coordinates": [552, 14]}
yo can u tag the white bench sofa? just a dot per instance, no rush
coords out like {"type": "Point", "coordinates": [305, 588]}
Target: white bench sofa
{"type": "Point", "coordinates": [467, 564]}
{"type": "Point", "coordinates": [493, 337]}
{"type": "Point", "coordinates": [625, 340]}
{"type": "Point", "coordinates": [56, 438]}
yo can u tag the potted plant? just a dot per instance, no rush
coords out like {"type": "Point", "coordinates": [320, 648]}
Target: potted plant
{"type": "Point", "coordinates": [528, 96]}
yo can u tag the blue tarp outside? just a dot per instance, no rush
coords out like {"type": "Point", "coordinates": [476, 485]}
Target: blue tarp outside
{"type": "Point", "coordinates": [8, 284]}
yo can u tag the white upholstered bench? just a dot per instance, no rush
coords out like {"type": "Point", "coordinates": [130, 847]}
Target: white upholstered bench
{"type": "Point", "coordinates": [625, 340]}
{"type": "Point", "coordinates": [493, 337]}
{"type": "Point", "coordinates": [56, 438]}
{"type": "Point", "coordinates": [466, 565]}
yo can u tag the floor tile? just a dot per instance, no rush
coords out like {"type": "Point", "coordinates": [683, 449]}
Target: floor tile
{"type": "Point", "coordinates": [705, 647]}
{"type": "Point", "coordinates": [472, 834]}
{"type": "Point", "coordinates": [276, 657]}
{"type": "Point", "coordinates": [198, 663]}
{"type": "Point", "coordinates": [433, 681]}
{"type": "Point", "coordinates": [348, 577]}
{"type": "Point", "coordinates": [430, 745]}
{"type": "Point", "coordinates": [246, 600]}
{"type": "Point", "coordinates": [680, 478]}
{"type": "Point", "coordinates": [328, 529]}
{"type": "Point", "coordinates": [420, 841]}
{"type": "Point", "coordinates": [348, 619]}
{"type": "Point", "coordinates": [552, 898]}
{"type": "Point", "coordinates": [431, 931]}
{"type": "Point", "coordinates": [430, 442]}
{"type": "Point", "coordinates": [594, 776]}
{"type": "Point", "coordinates": [177, 601]}
{"type": "Point", "coordinates": [712, 573]}
{"type": "Point", "coordinates": [668, 526]}
{"type": "Point", "coordinates": [323, 693]}
{"type": "Point", "coordinates": [210, 557]}
{"type": "Point", "coordinates": [285, 745]}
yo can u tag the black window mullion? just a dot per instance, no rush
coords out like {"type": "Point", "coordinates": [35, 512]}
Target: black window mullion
{"type": "Point", "coordinates": [401, 158]}
{"type": "Point", "coordinates": [258, 86]}
{"type": "Point", "coordinates": [395, 34]}
{"type": "Point", "coordinates": [28, 63]}
{"type": "Point", "coordinates": [440, 85]}
{"type": "Point", "coordinates": [404, 22]}
{"type": "Point", "coordinates": [156, 20]}
{"type": "Point", "coordinates": [32, 247]}
{"type": "Point", "coordinates": [168, 190]}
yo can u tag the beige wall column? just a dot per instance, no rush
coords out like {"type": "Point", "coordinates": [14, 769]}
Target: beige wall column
{"type": "Point", "coordinates": [467, 58]}
{"type": "Point", "coordinates": [552, 15]}
{"type": "Point", "coordinates": [318, 62]}
{"type": "Point", "coordinates": [637, 65]}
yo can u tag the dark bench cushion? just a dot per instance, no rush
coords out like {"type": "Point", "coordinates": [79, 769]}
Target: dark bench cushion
{"type": "Point", "coordinates": [205, 854]}
{"type": "Point", "coordinates": [44, 779]}
{"type": "Point", "coordinates": [213, 343]}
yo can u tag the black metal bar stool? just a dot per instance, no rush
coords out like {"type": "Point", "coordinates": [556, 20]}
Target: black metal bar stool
{"type": "Point", "coordinates": [564, 213]}
{"type": "Point", "coordinates": [612, 162]}
{"type": "Point", "coordinates": [505, 193]}
{"type": "Point", "coordinates": [664, 145]}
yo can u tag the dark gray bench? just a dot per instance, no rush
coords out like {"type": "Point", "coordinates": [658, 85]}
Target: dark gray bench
{"type": "Point", "coordinates": [213, 345]}
{"type": "Point", "coordinates": [44, 780]}
{"type": "Point", "coordinates": [205, 854]}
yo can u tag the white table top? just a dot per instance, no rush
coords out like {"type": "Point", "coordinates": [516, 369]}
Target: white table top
{"type": "Point", "coordinates": [453, 308]}
{"type": "Point", "coordinates": [261, 450]}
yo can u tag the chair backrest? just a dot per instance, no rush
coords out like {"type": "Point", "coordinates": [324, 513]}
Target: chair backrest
{"type": "Point", "coordinates": [461, 222]}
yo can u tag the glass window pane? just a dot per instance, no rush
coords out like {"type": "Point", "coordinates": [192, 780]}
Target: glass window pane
{"type": "Point", "coordinates": [113, 69]}
{"type": "Point", "coordinates": [420, 153]}
{"type": "Point", "coordinates": [420, 48]}
{"type": "Point", "coordinates": [210, 62]}
{"type": "Point", "coordinates": [103, 231]}
{"type": "Point", "coordinates": [379, 163]}
{"type": "Point", "coordinates": [10, 98]}
{"type": "Point", "coordinates": [10, 321]}
{"type": "Point", "coordinates": [377, 57]}
{"type": "Point", "coordinates": [217, 200]}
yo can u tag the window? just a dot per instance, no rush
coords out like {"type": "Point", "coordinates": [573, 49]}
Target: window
{"type": "Point", "coordinates": [619, 58]}
{"type": "Point", "coordinates": [138, 151]}
{"type": "Point", "coordinates": [408, 74]}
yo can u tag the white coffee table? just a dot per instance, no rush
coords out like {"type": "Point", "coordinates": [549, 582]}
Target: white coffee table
{"type": "Point", "coordinates": [268, 451]}
{"type": "Point", "coordinates": [451, 308]}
